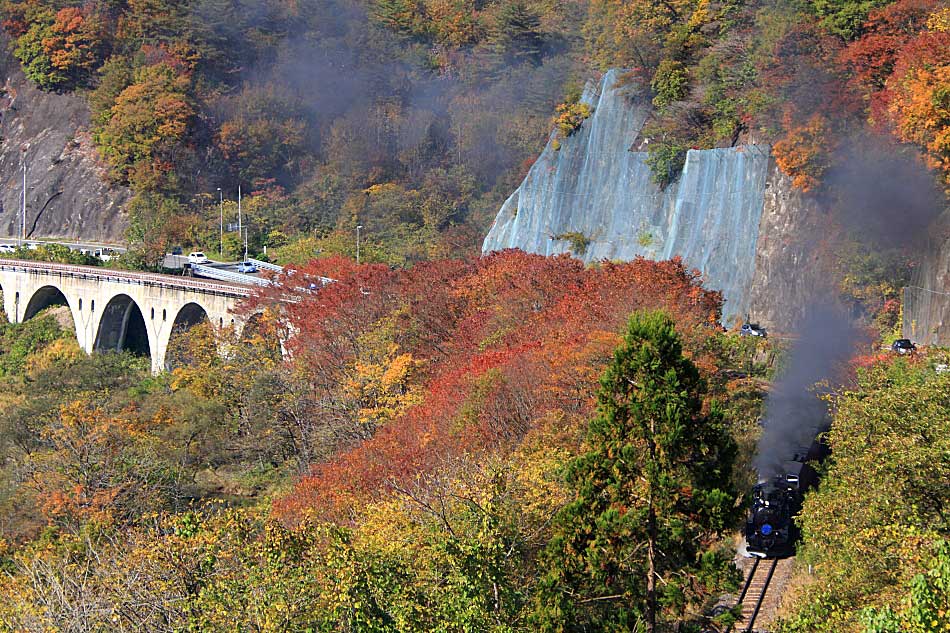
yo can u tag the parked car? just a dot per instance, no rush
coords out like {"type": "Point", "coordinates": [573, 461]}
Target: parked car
{"type": "Point", "coordinates": [7, 248]}
{"type": "Point", "coordinates": [197, 257]}
{"type": "Point", "coordinates": [752, 329]}
{"type": "Point", "coordinates": [903, 346]}
{"type": "Point", "coordinates": [176, 250]}
{"type": "Point", "coordinates": [247, 267]}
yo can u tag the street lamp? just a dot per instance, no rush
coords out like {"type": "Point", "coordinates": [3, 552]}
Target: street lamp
{"type": "Point", "coordinates": [221, 208]}
{"type": "Point", "coordinates": [358, 227]}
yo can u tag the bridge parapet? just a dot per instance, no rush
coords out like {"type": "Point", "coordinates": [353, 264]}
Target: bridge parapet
{"type": "Point", "coordinates": [229, 289]}
{"type": "Point", "coordinates": [116, 309]}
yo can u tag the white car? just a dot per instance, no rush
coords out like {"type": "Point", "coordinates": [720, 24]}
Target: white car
{"type": "Point", "coordinates": [105, 254]}
{"type": "Point", "coordinates": [197, 258]}
{"type": "Point", "coordinates": [7, 249]}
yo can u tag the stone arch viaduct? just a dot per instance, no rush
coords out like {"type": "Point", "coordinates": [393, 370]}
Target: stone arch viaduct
{"type": "Point", "coordinates": [119, 310]}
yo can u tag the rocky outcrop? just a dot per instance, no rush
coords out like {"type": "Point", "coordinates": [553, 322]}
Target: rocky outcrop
{"type": "Point", "coordinates": [731, 214]}
{"type": "Point", "coordinates": [790, 271]}
{"type": "Point", "coordinates": [67, 192]}
{"type": "Point", "coordinates": [926, 302]}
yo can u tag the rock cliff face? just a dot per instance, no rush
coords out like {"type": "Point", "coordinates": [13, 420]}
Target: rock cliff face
{"type": "Point", "coordinates": [927, 301]}
{"type": "Point", "coordinates": [789, 269]}
{"type": "Point", "coordinates": [67, 193]}
{"type": "Point", "coordinates": [730, 214]}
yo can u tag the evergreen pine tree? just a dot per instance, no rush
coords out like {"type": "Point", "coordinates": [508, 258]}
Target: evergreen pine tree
{"type": "Point", "coordinates": [650, 496]}
{"type": "Point", "coordinates": [517, 36]}
{"type": "Point", "coordinates": [400, 16]}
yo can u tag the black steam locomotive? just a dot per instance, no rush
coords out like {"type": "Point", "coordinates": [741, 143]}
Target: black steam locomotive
{"type": "Point", "coordinates": [770, 530]}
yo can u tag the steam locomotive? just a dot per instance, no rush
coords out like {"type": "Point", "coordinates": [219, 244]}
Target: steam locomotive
{"type": "Point", "coordinates": [770, 530]}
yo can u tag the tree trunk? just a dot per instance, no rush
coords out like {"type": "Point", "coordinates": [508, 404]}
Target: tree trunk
{"type": "Point", "coordinates": [651, 537]}
{"type": "Point", "coordinates": [651, 569]}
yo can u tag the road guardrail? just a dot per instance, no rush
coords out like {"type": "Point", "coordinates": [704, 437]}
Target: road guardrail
{"type": "Point", "coordinates": [238, 289]}
{"type": "Point", "coordinates": [227, 275]}
{"type": "Point", "coordinates": [266, 265]}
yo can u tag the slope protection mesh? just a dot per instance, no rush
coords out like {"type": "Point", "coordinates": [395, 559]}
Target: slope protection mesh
{"type": "Point", "coordinates": [596, 187]}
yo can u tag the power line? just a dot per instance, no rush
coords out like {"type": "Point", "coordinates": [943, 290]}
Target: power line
{"type": "Point", "coordinates": [936, 292]}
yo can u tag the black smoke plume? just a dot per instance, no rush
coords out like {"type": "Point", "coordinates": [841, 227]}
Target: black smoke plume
{"type": "Point", "coordinates": [883, 192]}
{"type": "Point", "coordinates": [883, 195]}
{"type": "Point", "coordinates": [795, 414]}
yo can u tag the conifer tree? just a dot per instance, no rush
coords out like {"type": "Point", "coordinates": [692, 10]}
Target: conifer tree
{"type": "Point", "coordinates": [650, 496]}
{"type": "Point", "coordinates": [517, 36]}
{"type": "Point", "coordinates": [400, 16]}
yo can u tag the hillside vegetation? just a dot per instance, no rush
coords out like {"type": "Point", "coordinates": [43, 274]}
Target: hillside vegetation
{"type": "Point", "coordinates": [432, 412]}
{"type": "Point", "coordinates": [875, 533]}
{"type": "Point", "coordinates": [443, 442]}
{"type": "Point", "coordinates": [415, 118]}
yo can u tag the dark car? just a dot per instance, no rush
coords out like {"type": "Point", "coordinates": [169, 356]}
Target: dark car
{"type": "Point", "coordinates": [903, 346]}
{"type": "Point", "coordinates": [176, 250]}
{"type": "Point", "coordinates": [752, 329]}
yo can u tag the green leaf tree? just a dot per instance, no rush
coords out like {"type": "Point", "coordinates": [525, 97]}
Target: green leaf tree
{"type": "Point", "coordinates": [845, 18]}
{"type": "Point", "coordinates": [928, 605]}
{"type": "Point", "coordinates": [883, 497]}
{"type": "Point", "coordinates": [633, 548]}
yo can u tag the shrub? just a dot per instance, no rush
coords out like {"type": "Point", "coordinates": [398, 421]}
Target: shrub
{"type": "Point", "coordinates": [579, 241]}
{"type": "Point", "coordinates": [666, 159]}
{"type": "Point", "coordinates": [670, 83]}
{"type": "Point", "coordinates": [570, 117]}
{"type": "Point", "coordinates": [803, 154]}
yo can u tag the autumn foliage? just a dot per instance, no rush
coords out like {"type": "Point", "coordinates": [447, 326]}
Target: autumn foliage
{"type": "Point", "coordinates": [420, 367]}
{"type": "Point", "coordinates": [803, 153]}
{"type": "Point", "coordinates": [902, 65]}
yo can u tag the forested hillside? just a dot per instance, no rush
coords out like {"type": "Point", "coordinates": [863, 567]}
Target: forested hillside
{"type": "Point", "coordinates": [431, 412]}
{"type": "Point", "coordinates": [414, 118]}
{"type": "Point", "coordinates": [437, 441]}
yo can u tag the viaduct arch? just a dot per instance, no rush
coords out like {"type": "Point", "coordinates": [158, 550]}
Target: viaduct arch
{"type": "Point", "coordinates": [119, 310]}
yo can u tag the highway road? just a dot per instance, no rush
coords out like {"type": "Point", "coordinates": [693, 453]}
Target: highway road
{"type": "Point", "coordinates": [75, 245]}
{"type": "Point", "coordinates": [171, 261]}
{"type": "Point", "coordinates": [179, 261]}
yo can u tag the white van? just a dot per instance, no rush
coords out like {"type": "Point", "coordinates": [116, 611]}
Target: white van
{"type": "Point", "coordinates": [197, 257]}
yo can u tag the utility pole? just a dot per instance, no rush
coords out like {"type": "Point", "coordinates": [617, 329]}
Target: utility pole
{"type": "Point", "coordinates": [221, 210]}
{"type": "Point", "coordinates": [22, 236]}
{"type": "Point", "coordinates": [240, 230]}
{"type": "Point", "coordinates": [358, 227]}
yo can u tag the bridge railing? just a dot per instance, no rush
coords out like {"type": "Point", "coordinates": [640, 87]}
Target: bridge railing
{"type": "Point", "coordinates": [266, 265]}
{"type": "Point", "coordinates": [227, 275]}
{"type": "Point", "coordinates": [238, 289]}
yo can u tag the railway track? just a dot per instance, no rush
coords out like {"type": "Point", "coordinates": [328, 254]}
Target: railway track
{"type": "Point", "coordinates": [753, 594]}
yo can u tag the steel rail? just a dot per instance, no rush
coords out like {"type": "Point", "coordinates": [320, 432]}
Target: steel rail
{"type": "Point", "coordinates": [745, 588]}
{"type": "Point", "coordinates": [128, 277]}
{"type": "Point", "coordinates": [758, 603]}
{"type": "Point", "coordinates": [748, 582]}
